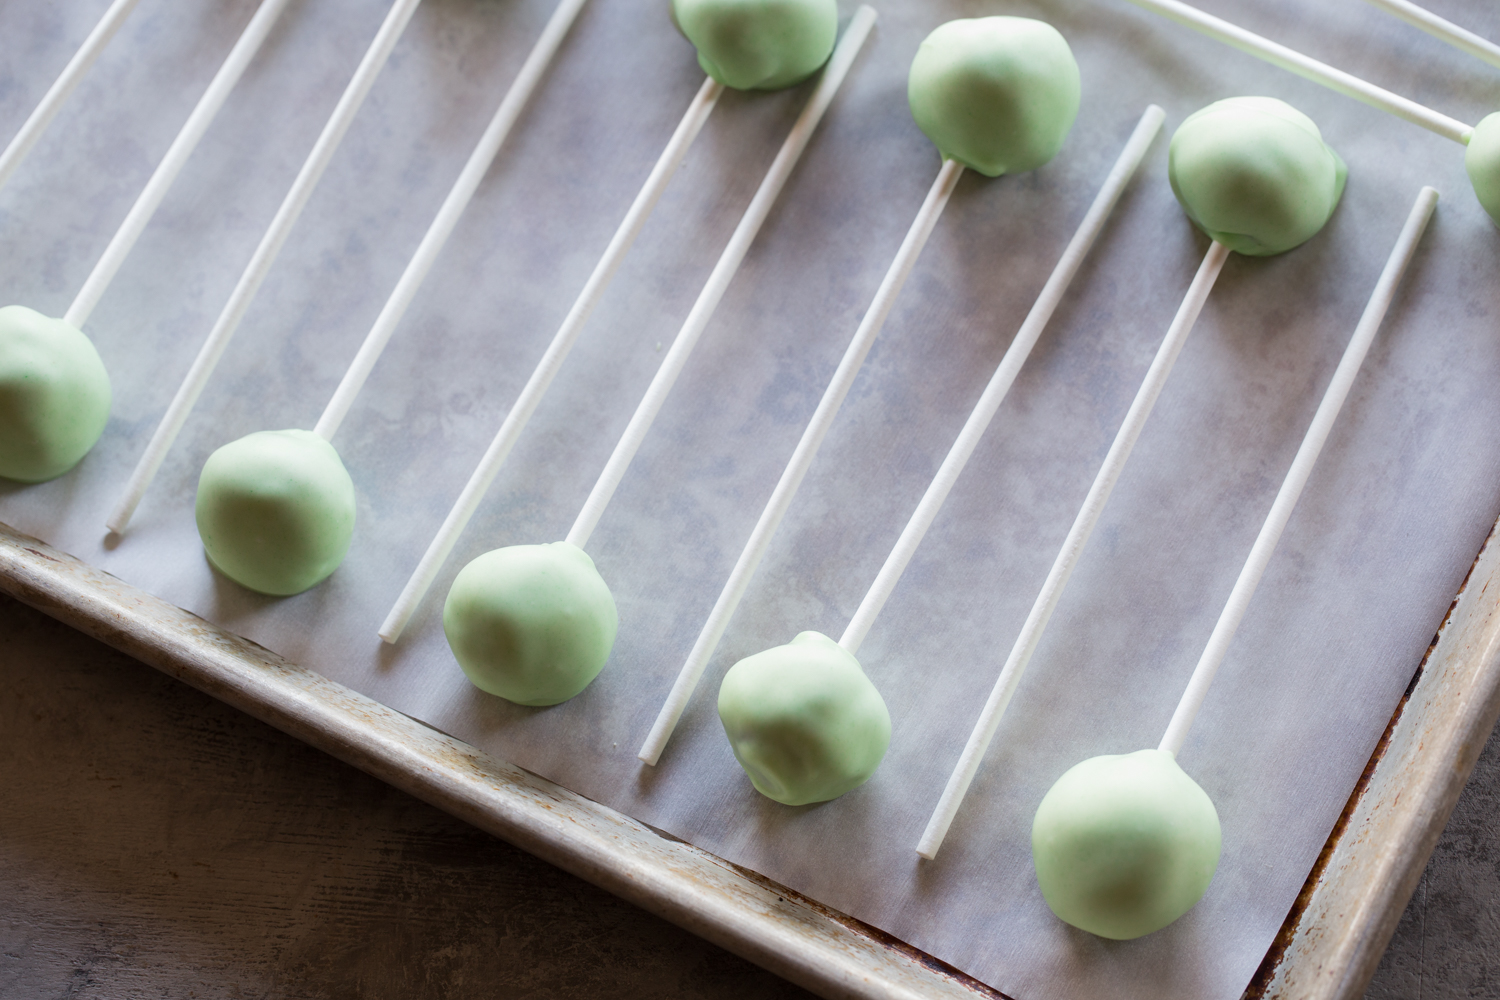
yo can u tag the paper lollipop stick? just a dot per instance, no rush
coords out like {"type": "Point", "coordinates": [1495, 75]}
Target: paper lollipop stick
{"type": "Point", "coordinates": [1072, 548]}
{"type": "Point", "coordinates": [260, 263]}
{"type": "Point", "coordinates": [791, 478]}
{"type": "Point", "coordinates": [448, 215]}
{"type": "Point", "coordinates": [1137, 820]}
{"type": "Point", "coordinates": [1309, 69]}
{"type": "Point", "coordinates": [1449, 32]}
{"type": "Point", "coordinates": [1246, 175]}
{"type": "Point", "coordinates": [802, 458]}
{"type": "Point", "coordinates": [58, 94]}
{"type": "Point", "coordinates": [275, 509]}
{"type": "Point", "coordinates": [1000, 382]}
{"type": "Point", "coordinates": [171, 165]}
{"type": "Point", "coordinates": [1297, 475]}
{"type": "Point", "coordinates": [552, 360]}
{"type": "Point", "coordinates": [535, 624]}
{"type": "Point", "coordinates": [723, 273]}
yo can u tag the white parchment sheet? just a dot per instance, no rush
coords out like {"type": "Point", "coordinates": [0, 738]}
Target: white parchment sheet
{"type": "Point", "coordinates": [1390, 521]}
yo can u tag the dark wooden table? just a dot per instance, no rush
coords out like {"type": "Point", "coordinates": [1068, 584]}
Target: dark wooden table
{"type": "Point", "coordinates": [155, 843]}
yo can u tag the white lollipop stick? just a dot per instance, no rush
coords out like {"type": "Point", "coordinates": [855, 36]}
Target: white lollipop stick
{"type": "Point", "coordinates": [1000, 383]}
{"type": "Point", "coordinates": [58, 94]}
{"type": "Point", "coordinates": [802, 458]}
{"type": "Point", "coordinates": [260, 263]}
{"type": "Point", "coordinates": [723, 273]}
{"type": "Point", "coordinates": [448, 215]}
{"type": "Point", "coordinates": [1449, 32]}
{"type": "Point", "coordinates": [1072, 550]}
{"type": "Point", "coordinates": [552, 361]}
{"type": "Point", "coordinates": [1297, 475]}
{"type": "Point", "coordinates": [781, 498]}
{"type": "Point", "coordinates": [63, 87]}
{"type": "Point", "coordinates": [171, 165]}
{"type": "Point", "coordinates": [1310, 69]}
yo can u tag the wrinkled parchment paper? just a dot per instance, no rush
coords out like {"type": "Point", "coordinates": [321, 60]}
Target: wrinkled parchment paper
{"type": "Point", "coordinates": [1392, 518]}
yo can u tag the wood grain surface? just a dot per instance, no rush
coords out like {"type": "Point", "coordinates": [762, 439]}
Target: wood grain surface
{"type": "Point", "coordinates": [155, 843]}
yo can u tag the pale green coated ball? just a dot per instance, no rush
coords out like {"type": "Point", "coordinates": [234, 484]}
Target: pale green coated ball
{"type": "Point", "coordinates": [1124, 845]}
{"type": "Point", "coordinates": [275, 511]}
{"type": "Point", "coordinates": [1255, 174]}
{"type": "Point", "coordinates": [532, 624]}
{"type": "Point", "coordinates": [1482, 161]}
{"type": "Point", "coordinates": [759, 44]}
{"type": "Point", "coordinates": [54, 395]}
{"type": "Point", "coordinates": [997, 94]}
{"type": "Point", "coordinates": [804, 721]}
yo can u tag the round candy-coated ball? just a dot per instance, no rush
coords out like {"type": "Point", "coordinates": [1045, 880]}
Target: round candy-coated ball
{"type": "Point", "coordinates": [804, 721]}
{"type": "Point", "coordinates": [1482, 161]}
{"type": "Point", "coordinates": [275, 510]}
{"type": "Point", "coordinates": [997, 94]}
{"type": "Point", "coordinates": [531, 623]}
{"type": "Point", "coordinates": [1124, 845]}
{"type": "Point", "coordinates": [54, 395]}
{"type": "Point", "coordinates": [1255, 174]}
{"type": "Point", "coordinates": [759, 44]}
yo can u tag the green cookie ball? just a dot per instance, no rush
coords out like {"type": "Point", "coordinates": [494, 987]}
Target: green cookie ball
{"type": "Point", "coordinates": [804, 721]}
{"type": "Point", "coordinates": [759, 44]}
{"type": "Point", "coordinates": [1124, 845]}
{"type": "Point", "coordinates": [54, 395]}
{"type": "Point", "coordinates": [532, 624]}
{"type": "Point", "coordinates": [997, 94]}
{"type": "Point", "coordinates": [1255, 174]}
{"type": "Point", "coordinates": [1482, 161]}
{"type": "Point", "coordinates": [275, 511]}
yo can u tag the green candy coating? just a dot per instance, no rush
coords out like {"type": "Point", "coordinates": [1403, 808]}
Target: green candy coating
{"type": "Point", "coordinates": [532, 624]}
{"type": "Point", "coordinates": [997, 94]}
{"type": "Point", "coordinates": [804, 721]}
{"type": "Point", "coordinates": [759, 44]}
{"type": "Point", "coordinates": [1255, 174]}
{"type": "Point", "coordinates": [54, 395]}
{"type": "Point", "coordinates": [275, 511]}
{"type": "Point", "coordinates": [1124, 845]}
{"type": "Point", "coordinates": [1482, 161]}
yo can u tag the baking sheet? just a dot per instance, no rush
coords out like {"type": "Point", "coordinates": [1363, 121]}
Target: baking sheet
{"type": "Point", "coordinates": [1389, 523]}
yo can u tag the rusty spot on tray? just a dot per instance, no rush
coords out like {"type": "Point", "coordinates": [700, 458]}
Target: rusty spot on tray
{"type": "Point", "coordinates": [1261, 981]}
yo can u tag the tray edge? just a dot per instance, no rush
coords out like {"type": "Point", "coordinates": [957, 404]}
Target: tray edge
{"type": "Point", "coordinates": [797, 938]}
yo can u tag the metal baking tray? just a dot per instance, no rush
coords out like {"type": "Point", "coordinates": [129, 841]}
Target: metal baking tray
{"type": "Point", "coordinates": [1328, 947]}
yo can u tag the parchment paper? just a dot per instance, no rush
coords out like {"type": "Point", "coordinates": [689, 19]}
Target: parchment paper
{"type": "Point", "coordinates": [1390, 521]}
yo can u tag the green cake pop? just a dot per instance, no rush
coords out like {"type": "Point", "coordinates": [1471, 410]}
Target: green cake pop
{"type": "Point", "coordinates": [54, 395]}
{"type": "Point", "coordinates": [1125, 844]}
{"type": "Point", "coordinates": [804, 721]}
{"type": "Point", "coordinates": [54, 391]}
{"type": "Point", "coordinates": [1482, 161]}
{"type": "Point", "coordinates": [533, 624]}
{"type": "Point", "coordinates": [1483, 167]}
{"type": "Point", "coordinates": [1255, 174]}
{"type": "Point", "coordinates": [758, 44]}
{"type": "Point", "coordinates": [997, 94]}
{"type": "Point", "coordinates": [275, 510]}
